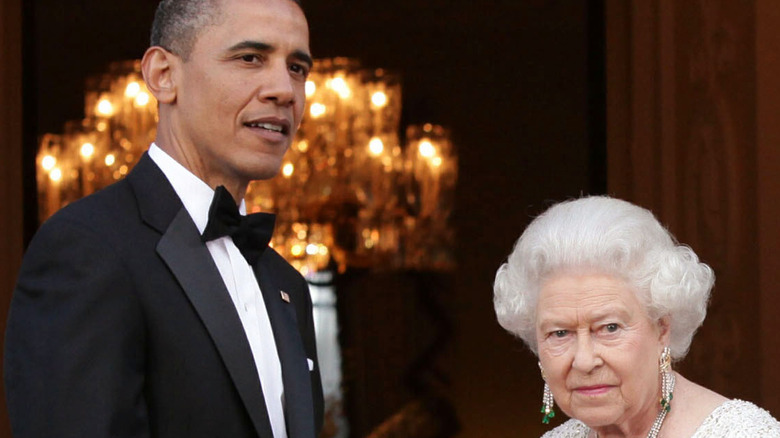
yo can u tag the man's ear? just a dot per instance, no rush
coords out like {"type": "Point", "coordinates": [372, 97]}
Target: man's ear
{"type": "Point", "coordinates": [157, 67]}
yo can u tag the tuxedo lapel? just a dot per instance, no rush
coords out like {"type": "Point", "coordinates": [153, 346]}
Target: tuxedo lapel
{"type": "Point", "coordinates": [299, 406]}
{"type": "Point", "coordinates": [190, 262]}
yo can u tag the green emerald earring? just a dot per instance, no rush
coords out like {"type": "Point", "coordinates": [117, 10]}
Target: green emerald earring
{"type": "Point", "coordinates": [547, 400]}
{"type": "Point", "coordinates": [667, 378]}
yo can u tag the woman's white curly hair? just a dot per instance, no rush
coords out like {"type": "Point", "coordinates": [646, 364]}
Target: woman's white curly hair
{"type": "Point", "coordinates": [608, 236]}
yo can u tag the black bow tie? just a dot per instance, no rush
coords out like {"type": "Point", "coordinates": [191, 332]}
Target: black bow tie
{"type": "Point", "coordinates": [250, 233]}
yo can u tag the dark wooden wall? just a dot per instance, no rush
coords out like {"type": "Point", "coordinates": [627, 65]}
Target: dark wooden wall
{"type": "Point", "coordinates": [11, 229]}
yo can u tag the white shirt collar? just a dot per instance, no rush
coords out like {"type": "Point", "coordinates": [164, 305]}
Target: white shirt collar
{"type": "Point", "coordinates": [195, 194]}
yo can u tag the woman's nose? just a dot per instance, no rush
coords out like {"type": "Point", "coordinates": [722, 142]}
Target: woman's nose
{"type": "Point", "coordinates": [586, 357]}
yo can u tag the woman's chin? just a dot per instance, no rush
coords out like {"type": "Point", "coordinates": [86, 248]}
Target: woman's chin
{"type": "Point", "coordinates": [596, 416]}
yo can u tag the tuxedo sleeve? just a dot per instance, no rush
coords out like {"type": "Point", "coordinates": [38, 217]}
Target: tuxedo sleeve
{"type": "Point", "coordinates": [74, 347]}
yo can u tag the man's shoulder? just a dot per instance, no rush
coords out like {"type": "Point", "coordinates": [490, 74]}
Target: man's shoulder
{"type": "Point", "coordinates": [85, 234]}
{"type": "Point", "coordinates": [104, 206]}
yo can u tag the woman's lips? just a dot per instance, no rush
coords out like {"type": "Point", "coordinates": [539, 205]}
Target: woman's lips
{"type": "Point", "coordinates": [593, 390]}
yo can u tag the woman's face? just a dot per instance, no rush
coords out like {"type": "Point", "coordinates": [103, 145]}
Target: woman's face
{"type": "Point", "coordinates": [599, 350]}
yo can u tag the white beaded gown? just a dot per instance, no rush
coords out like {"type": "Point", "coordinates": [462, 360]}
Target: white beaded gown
{"type": "Point", "coordinates": [732, 419]}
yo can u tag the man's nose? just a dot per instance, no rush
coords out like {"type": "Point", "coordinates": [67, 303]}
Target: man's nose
{"type": "Point", "coordinates": [277, 85]}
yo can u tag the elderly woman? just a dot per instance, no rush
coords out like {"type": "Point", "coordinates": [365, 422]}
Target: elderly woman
{"type": "Point", "coordinates": [601, 292]}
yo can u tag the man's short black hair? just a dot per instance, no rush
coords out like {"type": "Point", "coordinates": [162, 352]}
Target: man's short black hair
{"type": "Point", "coordinates": [177, 23]}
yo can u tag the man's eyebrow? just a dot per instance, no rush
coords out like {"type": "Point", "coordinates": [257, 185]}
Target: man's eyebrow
{"type": "Point", "coordinates": [304, 57]}
{"type": "Point", "coordinates": [254, 45]}
{"type": "Point", "coordinates": [258, 46]}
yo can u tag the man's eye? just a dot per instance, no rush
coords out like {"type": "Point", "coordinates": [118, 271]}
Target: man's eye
{"type": "Point", "coordinates": [560, 333]}
{"type": "Point", "coordinates": [611, 328]}
{"type": "Point", "coordinates": [299, 69]}
{"type": "Point", "coordinates": [249, 58]}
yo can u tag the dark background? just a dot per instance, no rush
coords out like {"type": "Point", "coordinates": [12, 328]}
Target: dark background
{"type": "Point", "coordinates": [519, 82]}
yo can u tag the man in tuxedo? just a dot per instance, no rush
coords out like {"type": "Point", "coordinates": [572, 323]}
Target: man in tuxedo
{"type": "Point", "coordinates": [155, 308]}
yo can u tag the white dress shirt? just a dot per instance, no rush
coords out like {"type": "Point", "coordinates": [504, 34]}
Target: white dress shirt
{"type": "Point", "coordinates": [240, 281]}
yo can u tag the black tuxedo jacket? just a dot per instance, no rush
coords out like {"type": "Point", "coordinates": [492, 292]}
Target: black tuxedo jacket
{"type": "Point", "coordinates": [121, 326]}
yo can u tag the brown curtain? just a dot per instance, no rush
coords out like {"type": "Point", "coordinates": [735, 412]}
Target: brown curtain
{"type": "Point", "coordinates": [768, 144]}
{"type": "Point", "coordinates": [693, 115]}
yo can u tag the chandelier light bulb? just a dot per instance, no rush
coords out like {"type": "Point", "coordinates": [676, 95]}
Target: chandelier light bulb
{"type": "Point", "coordinates": [311, 88]}
{"type": "Point", "coordinates": [312, 249]}
{"type": "Point", "coordinates": [339, 85]}
{"type": "Point", "coordinates": [48, 162]}
{"type": "Point", "coordinates": [296, 250]}
{"type": "Point", "coordinates": [427, 149]}
{"type": "Point", "coordinates": [56, 175]}
{"type": "Point", "coordinates": [376, 147]}
{"type": "Point", "coordinates": [288, 170]}
{"type": "Point", "coordinates": [317, 110]}
{"type": "Point", "coordinates": [105, 108]}
{"type": "Point", "coordinates": [110, 160]}
{"type": "Point", "coordinates": [379, 99]}
{"type": "Point", "coordinates": [87, 150]}
{"type": "Point", "coordinates": [142, 99]}
{"type": "Point", "coordinates": [132, 89]}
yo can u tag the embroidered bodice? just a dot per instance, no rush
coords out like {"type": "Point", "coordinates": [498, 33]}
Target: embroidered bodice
{"type": "Point", "coordinates": [732, 419]}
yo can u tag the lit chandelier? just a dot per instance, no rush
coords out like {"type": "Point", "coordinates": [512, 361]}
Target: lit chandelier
{"type": "Point", "coordinates": [350, 193]}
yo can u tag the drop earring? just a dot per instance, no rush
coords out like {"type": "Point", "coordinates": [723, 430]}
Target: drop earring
{"type": "Point", "coordinates": [667, 378]}
{"type": "Point", "coordinates": [547, 400]}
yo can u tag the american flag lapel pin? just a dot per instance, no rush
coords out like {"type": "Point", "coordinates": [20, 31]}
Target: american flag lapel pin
{"type": "Point", "coordinates": [285, 296]}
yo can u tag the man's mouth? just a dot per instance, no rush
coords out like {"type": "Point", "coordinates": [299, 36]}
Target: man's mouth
{"type": "Point", "coordinates": [275, 127]}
